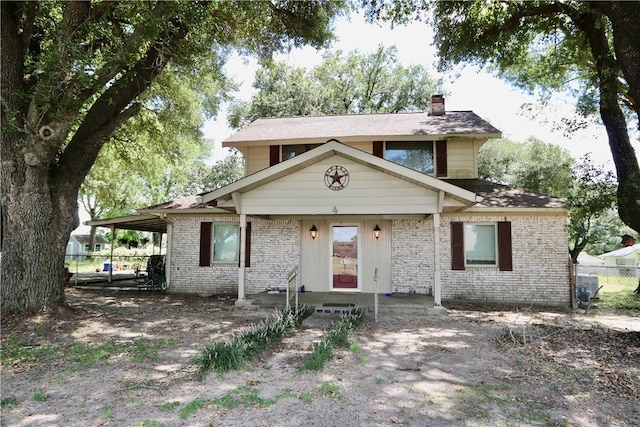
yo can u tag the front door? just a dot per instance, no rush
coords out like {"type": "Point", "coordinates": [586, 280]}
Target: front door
{"type": "Point", "coordinates": [344, 257]}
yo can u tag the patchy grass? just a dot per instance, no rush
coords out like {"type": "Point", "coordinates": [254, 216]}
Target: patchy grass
{"type": "Point", "coordinates": [328, 389]}
{"type": "Point", "coordinates": [168, 407]}
{"type": "Point", "coordinates": [617, 293]}
{"type": "Point", "coordinates": [89, 355]}
{"type": "Point", "coordinates": [192, 407]}
{"type": "Point", "coordinates": [242, 396]}
{"type": "Point", "coordinates": [478, 400]}
{"type": "Point", "coordinates": [8, 401]}
{"type": "Point", "coordinates": [15, 350]}
{"type": "Point", "coordinates": [138, 350]}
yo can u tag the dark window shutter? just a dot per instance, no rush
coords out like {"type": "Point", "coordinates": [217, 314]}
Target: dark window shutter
{"type": "Point", "coordinates": [441, 158]}
{"type": "Point", "coordinates": [205, 243]}
{"type": "Point", "coordinates": [274, 155]}
{"type": "Point", "coordinates": [505, 260]}
{"type": "Point", "coordinates": [378, 149]}
{"type": "Point", "coordinates": [457, 246]}
{"type": "Point", "coordinates": [247, 248]}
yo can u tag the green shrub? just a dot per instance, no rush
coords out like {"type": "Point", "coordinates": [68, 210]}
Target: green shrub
{"type": "Point", "coordinates": [237, 352]}
{"type": "Point", "coordinates": [339, 336]}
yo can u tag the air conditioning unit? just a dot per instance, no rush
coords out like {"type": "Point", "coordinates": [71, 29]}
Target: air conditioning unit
{"type": "Point", "coordinates": [587, 287]}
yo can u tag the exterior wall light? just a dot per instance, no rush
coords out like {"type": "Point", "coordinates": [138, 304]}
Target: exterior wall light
{"type": "Point", "coordinates": [313, 231]}
{"type": "Point", "coordinates": [376, 232]}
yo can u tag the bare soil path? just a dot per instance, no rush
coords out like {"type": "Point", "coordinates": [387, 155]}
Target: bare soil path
{"type": "Point", "coordinates": [126, 359]}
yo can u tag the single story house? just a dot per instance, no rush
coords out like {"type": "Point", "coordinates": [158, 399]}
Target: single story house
{"type": "Point", "coordinates": [79, 245]}
{"type": "Point", "coordinates": [627, 256]}
{"type": "Point", "coordinates": [368, 203]}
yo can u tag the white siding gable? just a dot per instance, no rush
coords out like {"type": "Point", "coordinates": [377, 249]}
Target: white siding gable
{"type": "Point", "coordinates": [369, 192]}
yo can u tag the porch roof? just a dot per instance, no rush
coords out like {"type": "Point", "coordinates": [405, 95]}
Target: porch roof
{"type": "Point", "coordinates": [502, 196]}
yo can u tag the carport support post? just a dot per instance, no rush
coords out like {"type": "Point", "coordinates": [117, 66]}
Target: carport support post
{"type": "Point", "coordinates": [113, 239]}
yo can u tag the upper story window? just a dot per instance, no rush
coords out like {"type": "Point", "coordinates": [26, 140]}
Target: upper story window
{"type": "Point", "coordinates": [290, 151]}
{"type": "Point", "coordinates": [417, 155]}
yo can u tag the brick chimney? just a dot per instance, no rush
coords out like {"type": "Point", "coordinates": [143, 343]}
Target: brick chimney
{"type": "Point", "coordinates": [437, 105]}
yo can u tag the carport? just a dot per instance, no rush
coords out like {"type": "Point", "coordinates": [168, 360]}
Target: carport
{"type": "Point", "coordinates": [139, 222]}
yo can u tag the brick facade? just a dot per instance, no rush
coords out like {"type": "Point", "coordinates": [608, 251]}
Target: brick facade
{"type": "Point", "coordinates": [540, 264]}
{"type": "Point", "coordinates": [412, 256]}
{"type": "Point", "coordinates": [275, 249]}
{"type": "Point", "coordinates": [539, 247]}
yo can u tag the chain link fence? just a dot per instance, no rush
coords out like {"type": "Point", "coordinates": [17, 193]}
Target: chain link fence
{"type": "Point", "coordinates": [612, 286]}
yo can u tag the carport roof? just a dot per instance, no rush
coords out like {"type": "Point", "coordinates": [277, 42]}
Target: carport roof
{"type": "Point", "coordinates": [142, 222]}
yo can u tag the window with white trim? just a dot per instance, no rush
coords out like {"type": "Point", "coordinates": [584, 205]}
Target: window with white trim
{"type": "Point", "coordinates": [480, 244]}
{"type": "Point", "coordinates": [226, 242]}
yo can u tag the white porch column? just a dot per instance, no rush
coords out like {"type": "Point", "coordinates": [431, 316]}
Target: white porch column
{"type": "Point", "coordinates": [243, 240]}
{"type": "Point", "coordinates": [437, 291]}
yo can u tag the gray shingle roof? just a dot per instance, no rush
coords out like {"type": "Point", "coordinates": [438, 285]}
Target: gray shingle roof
{"type": "Point", "coordinates": [323, 128]}
{"type": "Point", "coordinates": [188, 202]}
{"type": "Point", "coordinates": [84, 239]}
{"type": "Point", "coordinates": [502, 196]}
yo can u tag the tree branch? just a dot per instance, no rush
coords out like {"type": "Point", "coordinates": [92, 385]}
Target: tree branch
{"type": "Point", "coordinates": [112, 108]}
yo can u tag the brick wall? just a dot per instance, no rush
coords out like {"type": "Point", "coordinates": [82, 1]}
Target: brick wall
{"type": "Point", "coordinates": [540, 264]}
{"type": "Point", "coordinates": [186, 275]}
{"type": "Point", "coordinates": [275, 249]}
{"type": "Point", "coordinates": [412, 255]}
{"type": "Point", "coordinates": [540, 273]}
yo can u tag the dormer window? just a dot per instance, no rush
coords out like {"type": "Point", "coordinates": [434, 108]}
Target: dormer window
{"type": "Point", "coordinates": [417, 155]}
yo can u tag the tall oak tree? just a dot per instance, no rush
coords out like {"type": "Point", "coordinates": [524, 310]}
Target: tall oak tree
{"type": "Point", "coordinates": [72, 73]}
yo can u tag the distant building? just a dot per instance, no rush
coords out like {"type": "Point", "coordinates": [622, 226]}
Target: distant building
{"type": "Point", "coordinates": [79, 245]}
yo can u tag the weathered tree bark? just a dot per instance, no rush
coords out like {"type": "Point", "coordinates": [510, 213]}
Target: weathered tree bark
{"type": "Point", "coordinates": [40, 175]}
{"type": "Point", "coordinates": [579, 245]}
{"type": "Point", "coordinates": [624, 156]}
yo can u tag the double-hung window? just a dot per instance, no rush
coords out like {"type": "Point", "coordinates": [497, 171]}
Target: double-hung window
{"type": "Point", "coordinates": [226, 241]}
{"type": "Point", "coordinates": [220, 243]}
{"type": "Point", "coordinates": [481, 244]}
{"type": "Point", "coordinates": [290, 151]}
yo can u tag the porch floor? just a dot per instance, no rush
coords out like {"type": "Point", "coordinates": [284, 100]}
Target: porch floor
{"type": "Point", "coordinates": [397, 302]}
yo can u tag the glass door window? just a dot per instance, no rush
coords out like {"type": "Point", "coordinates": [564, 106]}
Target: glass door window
{"type": "Point", "coordinates": [344, 257]}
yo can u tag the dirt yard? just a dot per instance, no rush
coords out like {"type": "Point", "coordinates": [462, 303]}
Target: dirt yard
{"type": "Point", "coordinates": [127, 359]}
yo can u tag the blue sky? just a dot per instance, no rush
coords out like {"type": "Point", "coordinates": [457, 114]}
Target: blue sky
{"type": "Point", "coordinates": [468, 88]}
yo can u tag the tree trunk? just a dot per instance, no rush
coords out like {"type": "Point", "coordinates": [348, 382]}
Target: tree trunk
{"type": "Point", "coordinates": [37, 225]}
{"type": "Point", "coordinates": [92, 240]}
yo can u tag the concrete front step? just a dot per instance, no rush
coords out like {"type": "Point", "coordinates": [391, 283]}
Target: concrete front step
{"type": "Point", "coordinates": [333, 308]}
